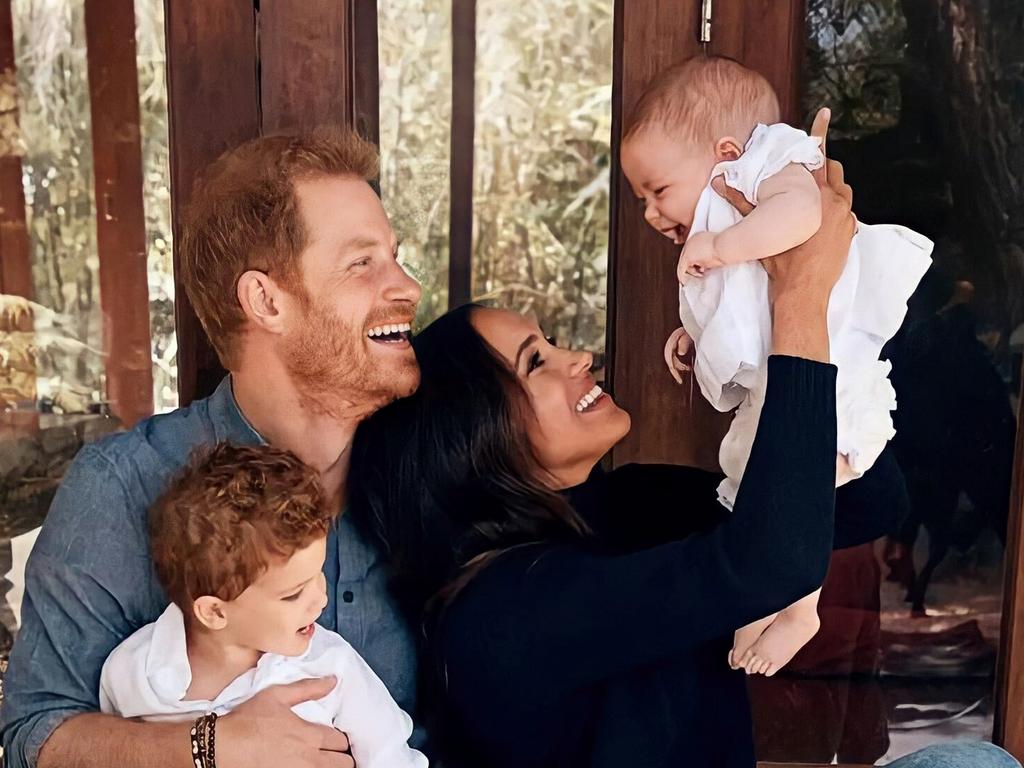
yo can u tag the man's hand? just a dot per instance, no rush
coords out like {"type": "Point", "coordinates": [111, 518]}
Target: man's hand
{"type": "Point", "coordinates": [265, 733]}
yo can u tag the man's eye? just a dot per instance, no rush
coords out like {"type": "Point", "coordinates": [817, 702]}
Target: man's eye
{"type": "Point", "coordinates": [535, 362]}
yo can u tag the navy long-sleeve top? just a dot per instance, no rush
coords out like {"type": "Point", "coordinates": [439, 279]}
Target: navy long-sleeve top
{"type": "Point", "coordinates": [613, 652]}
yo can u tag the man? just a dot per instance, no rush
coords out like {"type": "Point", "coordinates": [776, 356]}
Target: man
{"type": "Point", "coordinates": [290, 262]}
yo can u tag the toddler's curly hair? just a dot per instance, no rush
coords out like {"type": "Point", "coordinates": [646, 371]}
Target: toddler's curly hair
{"type": "Point", "coordinates": [228, 514]}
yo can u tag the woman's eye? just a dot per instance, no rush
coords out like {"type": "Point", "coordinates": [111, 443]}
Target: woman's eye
{"type": "Point", "coordinates": [535, 362]}
{"type": "Point", "coordinates": [551, 340]}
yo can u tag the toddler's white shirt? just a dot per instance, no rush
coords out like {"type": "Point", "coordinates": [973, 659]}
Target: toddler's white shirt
{"type": "Point", "coordinates": [727, 314]}
{"type": "Point", "coordinates": [148, 675]}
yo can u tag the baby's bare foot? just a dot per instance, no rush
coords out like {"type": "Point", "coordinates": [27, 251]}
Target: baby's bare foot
{"type": "Point", "coordinates": [792, 630]}
{"type": "Point", "coordinates": [745, 637]}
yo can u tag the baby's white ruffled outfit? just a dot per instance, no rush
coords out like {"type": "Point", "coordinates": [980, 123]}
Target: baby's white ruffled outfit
{"type": "Point", "coordinates": [727, 314]}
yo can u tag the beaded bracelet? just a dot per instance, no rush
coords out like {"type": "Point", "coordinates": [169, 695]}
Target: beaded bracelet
{"type": "Point", "coordinates": [203, 740]}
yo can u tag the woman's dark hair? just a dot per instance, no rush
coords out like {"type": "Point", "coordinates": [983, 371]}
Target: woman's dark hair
{"type": "Point", "coordinates": [447, 474]}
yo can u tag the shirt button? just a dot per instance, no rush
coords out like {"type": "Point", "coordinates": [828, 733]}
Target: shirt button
{"type": "Point", "coordinates": [347, 596]}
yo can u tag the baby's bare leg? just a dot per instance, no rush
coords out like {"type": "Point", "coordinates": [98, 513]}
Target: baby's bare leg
{"type": "Point", "coordinates": [792, 630]}
{"type": "Point", "coordinates": [745, 637]}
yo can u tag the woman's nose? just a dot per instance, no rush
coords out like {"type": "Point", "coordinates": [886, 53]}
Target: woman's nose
{"type": "Point", "coordinates": [582, 362]}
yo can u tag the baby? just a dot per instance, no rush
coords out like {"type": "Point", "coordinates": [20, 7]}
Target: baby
{"type": "Point", "coordinates": [711, 117]}
{"type": "Point", "coordinates": [239, 541]}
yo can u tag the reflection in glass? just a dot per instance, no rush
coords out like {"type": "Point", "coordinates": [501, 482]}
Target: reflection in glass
{"type": "Point", "coordinates": [156, 194]}
{"type": "Point", "coordinates": [415, 60]}
{"type": "Point", "coordinates": [543, 127]}
{"type": "Point", "coordinates": [928, 111]}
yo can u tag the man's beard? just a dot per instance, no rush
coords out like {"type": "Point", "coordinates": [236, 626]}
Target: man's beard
{"type": "Point", "coordinates": [329, 364]}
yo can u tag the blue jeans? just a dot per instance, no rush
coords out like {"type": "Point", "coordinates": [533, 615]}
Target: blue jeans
{"type": "Point", "coordinates": [960, 755]}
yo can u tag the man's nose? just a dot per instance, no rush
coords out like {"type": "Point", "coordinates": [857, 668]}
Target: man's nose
{"type": "Point", "coordinates": [402, 286]}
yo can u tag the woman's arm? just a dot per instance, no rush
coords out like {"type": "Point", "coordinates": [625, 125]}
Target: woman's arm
{"type": "Point", "coordinates": [575, 617]}
{"type": "Point", "coordinates": [562, 617]}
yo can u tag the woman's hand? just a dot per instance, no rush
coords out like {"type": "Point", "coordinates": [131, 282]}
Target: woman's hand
{"type": "Point", "coordinates": [802, 278]}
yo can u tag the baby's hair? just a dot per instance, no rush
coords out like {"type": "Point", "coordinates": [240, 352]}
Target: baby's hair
{"type": "Point", "coordinates": [703, 99]}
{"type": "Point", "coordinates": [232, 509]}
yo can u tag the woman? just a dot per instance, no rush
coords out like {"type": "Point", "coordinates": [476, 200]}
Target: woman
{"type": "Point", "coordinates": [586, 622]}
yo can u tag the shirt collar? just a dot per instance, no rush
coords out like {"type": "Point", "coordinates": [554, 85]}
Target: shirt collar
{"type": "Point", "coordinates": [167, 667]}
{"type": "Point", "coordinates": [229, 423]}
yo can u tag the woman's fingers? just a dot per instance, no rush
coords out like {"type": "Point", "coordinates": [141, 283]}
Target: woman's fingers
{"type": "Point", "coordinates": [819, 130]}
{"type": "Point", "coordinates": [734, 197]}
{"type": "Point", "coordinates": [332, 739]}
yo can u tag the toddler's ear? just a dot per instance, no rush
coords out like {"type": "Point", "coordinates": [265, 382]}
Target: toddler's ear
{"type": "Point", "coordinates": [727, 148]}
{"type": "Point", "coordinates": [209, 610]}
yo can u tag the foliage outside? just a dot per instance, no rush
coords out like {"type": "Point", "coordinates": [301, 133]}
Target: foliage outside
{"type": "Point", "coordinates": [56, 131]}
{"type": "Point", "coordinates": [541, 155]}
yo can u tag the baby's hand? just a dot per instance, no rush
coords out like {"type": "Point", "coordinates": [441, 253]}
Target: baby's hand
{"type": "Point", "coordinates": [676, 349]}
{"type": "Point", "coordinates": [698, 255]}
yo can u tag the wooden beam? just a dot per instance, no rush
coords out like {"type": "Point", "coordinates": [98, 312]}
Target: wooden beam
{"type": "Point", "coordinates": [15, 260]}
{"type": "Point", "coordinates": [213, 105]}
{"type": "Point", "coordinates": [120, 216]}
{"type": "Point", "coordinates": [305, 64]}
{"type": "Point", "coordinates": [365, 67]}
{"type": "Point", "coordinates": [671, 424]}
{"type": "Point", "coordinates": [460, 264]}
{"type": "Point", "coordinates": [1009, 725]}
{"type": "Point", "coordinates": [767, 36]}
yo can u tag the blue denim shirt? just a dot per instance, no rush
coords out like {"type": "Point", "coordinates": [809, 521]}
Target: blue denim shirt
{"type": "Point", "coordinates": [90, 581]}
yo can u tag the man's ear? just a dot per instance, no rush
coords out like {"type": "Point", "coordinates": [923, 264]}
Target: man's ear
{"type": "Point", "coordinates": [727, 148]}
{"type": "Point", "coordinates": [263, 301]}
{"type": "Point", "coordinates": [209, 611]}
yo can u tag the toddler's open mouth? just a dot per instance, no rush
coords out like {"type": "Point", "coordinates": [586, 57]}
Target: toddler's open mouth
{"type": "Point", "coordinates": [306, 631]}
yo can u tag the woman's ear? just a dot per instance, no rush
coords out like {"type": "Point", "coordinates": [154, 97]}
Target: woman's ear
{"type": "Point", "coordinates": [209, 611]}
{"type": "Point", "coordinates": [727, 148]}
{"type": "Point", "coordinates": [262, 300]}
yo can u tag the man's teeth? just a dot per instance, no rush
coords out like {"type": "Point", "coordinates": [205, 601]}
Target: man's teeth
{"type": "Point", "coordinates": [387, 330]}
{"type": "Point", "coordinates": [588, 399]}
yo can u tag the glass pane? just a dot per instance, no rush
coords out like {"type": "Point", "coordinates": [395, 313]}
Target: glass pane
{"type": "Point", "coordinates": [543, 127]}
{"type": "Point", "coordinates": [415, 60]}
{"type": "Point", "coordinates": [53, 100]}
{"type": "Point", "coordinates": [927, 104]}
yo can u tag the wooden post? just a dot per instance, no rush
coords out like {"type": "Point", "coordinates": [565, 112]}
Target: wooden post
{"type": "Point", "coordinates": [1009, 725]}
{"type": "Point", "coordinates": [669, 424]}
{"type": "Point", "coordinates": [365, 67]}
{"type": "Point", "coordinates": [120, 216]}
{"type": "Point", "coordinates": [213, 105]}
{"type": "Point", "coordinates": [673, 424]}
{"type": "Point", "coordinates": [15, 263]}
{"type": "Point", "coordinates": [460, 264]}
{"type": "Point", "coordinates": [305, 68]}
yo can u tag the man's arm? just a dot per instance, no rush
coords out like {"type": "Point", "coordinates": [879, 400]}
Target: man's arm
{"type": "Point", "coordinates": [88, 585]}
{"type": "Point", "coordinates": [92, 740]}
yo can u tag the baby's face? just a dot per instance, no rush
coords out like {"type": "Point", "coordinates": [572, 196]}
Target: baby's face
{"type": "Point", "coordinates": [275, 614]}
{"type": "Point", "coordinates": [668, 175]}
